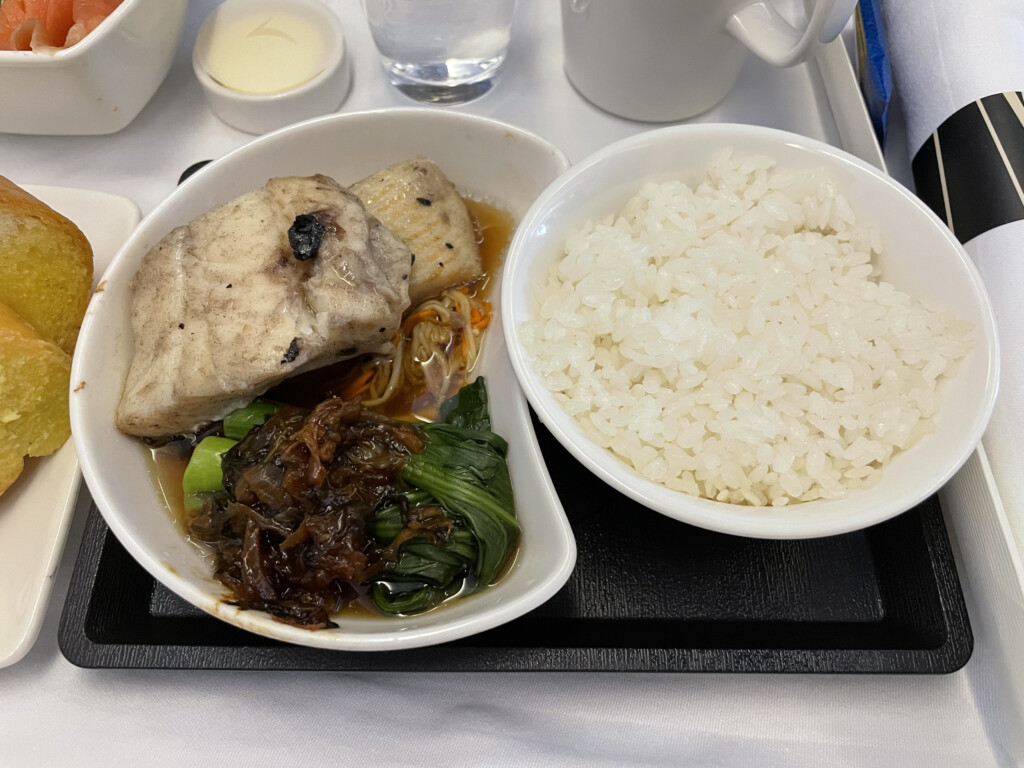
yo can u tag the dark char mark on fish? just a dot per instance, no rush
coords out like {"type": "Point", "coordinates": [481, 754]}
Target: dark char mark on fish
{"type": "Point", "coordinates": [305, 236]}
{"type": "Point", "coordinates": [292, 353]}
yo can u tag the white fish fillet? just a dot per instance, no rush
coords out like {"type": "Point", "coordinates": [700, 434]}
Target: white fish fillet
{"type": "Point", "coordinates": [417, 202]}
{"type": "Point", "coordinates": [222, 309]}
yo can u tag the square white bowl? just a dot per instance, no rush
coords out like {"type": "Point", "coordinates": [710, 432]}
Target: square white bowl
{"type": "Point", "coordinates": [98, 85]}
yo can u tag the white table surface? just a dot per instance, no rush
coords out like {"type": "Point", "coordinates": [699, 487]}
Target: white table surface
{"type": "Point", "coordinates": [53, 713]}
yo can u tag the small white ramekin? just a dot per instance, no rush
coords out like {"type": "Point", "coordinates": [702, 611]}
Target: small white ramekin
{"type": "Point", "coordinates": [263, 112]}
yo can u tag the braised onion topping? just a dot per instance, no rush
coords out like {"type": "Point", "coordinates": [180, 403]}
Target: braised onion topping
{"type": "Point", "coordinates": [321, 506]}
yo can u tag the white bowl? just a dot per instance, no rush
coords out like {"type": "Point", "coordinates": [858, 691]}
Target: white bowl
{"type": "Point", "coordinates": [99, 85]}
{"type": "Point", "coordinates": [262, 112]}
{"type": "Point", "coordinates": [920, 257]}
{"type": "Point", "coordinates": [485, 159]}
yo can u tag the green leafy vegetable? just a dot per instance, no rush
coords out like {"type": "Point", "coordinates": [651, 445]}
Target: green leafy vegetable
{"type": "Point", "coordinates": [463, 468]}
{"type": "Point", "coordinates": [406, 601]}
{"type": "Point", "coordinates": [437, 565]}
{"type": "Point", "coordinates": [468, 408]}
{"type": "Point", "coordinates": [387, 523]}
{"type": "Point", "coordinates": [238, 423]}
{"type": "Point", "coordinates": [203, 474]}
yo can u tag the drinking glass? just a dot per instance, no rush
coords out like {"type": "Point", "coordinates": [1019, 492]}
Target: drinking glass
{"type": "Point", "coordinates": [441, 51]}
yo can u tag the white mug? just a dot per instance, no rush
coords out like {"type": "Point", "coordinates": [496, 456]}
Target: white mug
{"type": "Point", "coordinates": [666, 60]}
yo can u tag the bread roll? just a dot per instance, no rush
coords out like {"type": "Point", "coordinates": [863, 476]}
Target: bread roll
{"type": "Point", "coordinates": [45, 266]}
{"type": "Point", "coordinates": [34, 379]}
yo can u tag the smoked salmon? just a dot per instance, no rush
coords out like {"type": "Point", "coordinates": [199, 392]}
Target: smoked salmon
{"type": "Point", "coordinates": [34, 25]}
{"type": "Point", "coordinates": [87, 16]}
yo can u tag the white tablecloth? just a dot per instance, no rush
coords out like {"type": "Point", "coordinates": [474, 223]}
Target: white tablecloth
{"type": "Point", "coordinates": [53, 713]}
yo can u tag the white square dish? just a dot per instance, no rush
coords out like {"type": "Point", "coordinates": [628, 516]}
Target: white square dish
{"type": "Point", "coordinates": [98, 85]}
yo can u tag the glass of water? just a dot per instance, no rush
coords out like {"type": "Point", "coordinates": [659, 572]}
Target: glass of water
{"type": "Point", "coordinates": [441, 51]}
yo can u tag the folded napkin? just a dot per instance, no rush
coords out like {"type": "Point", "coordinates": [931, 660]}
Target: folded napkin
{"type": "Point", "coordinates": [959, 71]}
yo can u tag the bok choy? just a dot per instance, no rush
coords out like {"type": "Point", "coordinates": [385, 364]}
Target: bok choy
{"type": "Point", "coordinates": [463, 471]}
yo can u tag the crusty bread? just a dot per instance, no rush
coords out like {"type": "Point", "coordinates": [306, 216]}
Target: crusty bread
{"type": "Point", "coordinates": [417, 202]}
{"type": "Point", "coordinates": [34, 378]}
{"type": "Point", "coordinates": [10, 468]}
{"type": "Point", "coordinates": [45, 266]}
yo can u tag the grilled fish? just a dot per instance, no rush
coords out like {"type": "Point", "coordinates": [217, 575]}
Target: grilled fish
{"type": "Point", "coordinates": [287, 278]}
{"type": "Point", "coordinates": [417, 202]}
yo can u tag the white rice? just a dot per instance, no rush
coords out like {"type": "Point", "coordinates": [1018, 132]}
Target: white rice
{"type": "Point", "coordinates": [733, 341]}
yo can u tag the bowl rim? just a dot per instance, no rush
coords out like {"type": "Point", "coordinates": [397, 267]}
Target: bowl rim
{"type": "Point", "coordinates": [93, 468]}
{"type": "Point", "coordinates": [418, 112]}
{"type": "Point", "coordinates": [706, 513]}
{"type": "Point", "coordinates": [63, 56]}
{"type": "Point", "coordinates": [334, 60]}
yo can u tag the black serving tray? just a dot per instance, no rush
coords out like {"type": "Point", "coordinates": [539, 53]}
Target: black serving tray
{"type": "Point", "coordinates": [648, 594]}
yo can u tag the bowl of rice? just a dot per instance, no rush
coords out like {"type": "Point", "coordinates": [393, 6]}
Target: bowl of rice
{"type": "Point", "coordinates": [750, 331]}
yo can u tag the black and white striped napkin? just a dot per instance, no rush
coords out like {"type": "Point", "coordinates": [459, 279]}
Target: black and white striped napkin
{"type": "Point", "coordinates": [970, 170]}
{"type": "Point", "coordinates": [958, 69]}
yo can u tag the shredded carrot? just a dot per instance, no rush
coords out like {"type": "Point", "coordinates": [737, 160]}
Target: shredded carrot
{"type": "Point", "coordinates": [480, 320]}
{"type": "Point", "coordinates": [464, 346]}
{"type": "Point", "coordinates": [358, 385]}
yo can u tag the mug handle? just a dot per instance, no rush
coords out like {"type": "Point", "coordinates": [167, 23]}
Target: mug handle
{"type": "Point", "coordinates": [767, 33]}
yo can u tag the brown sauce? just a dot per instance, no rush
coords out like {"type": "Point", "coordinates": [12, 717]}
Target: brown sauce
{"type": "Point", "coordinates": [167, 467]}
{"type": "Point", "coordinates": [494, 228]}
